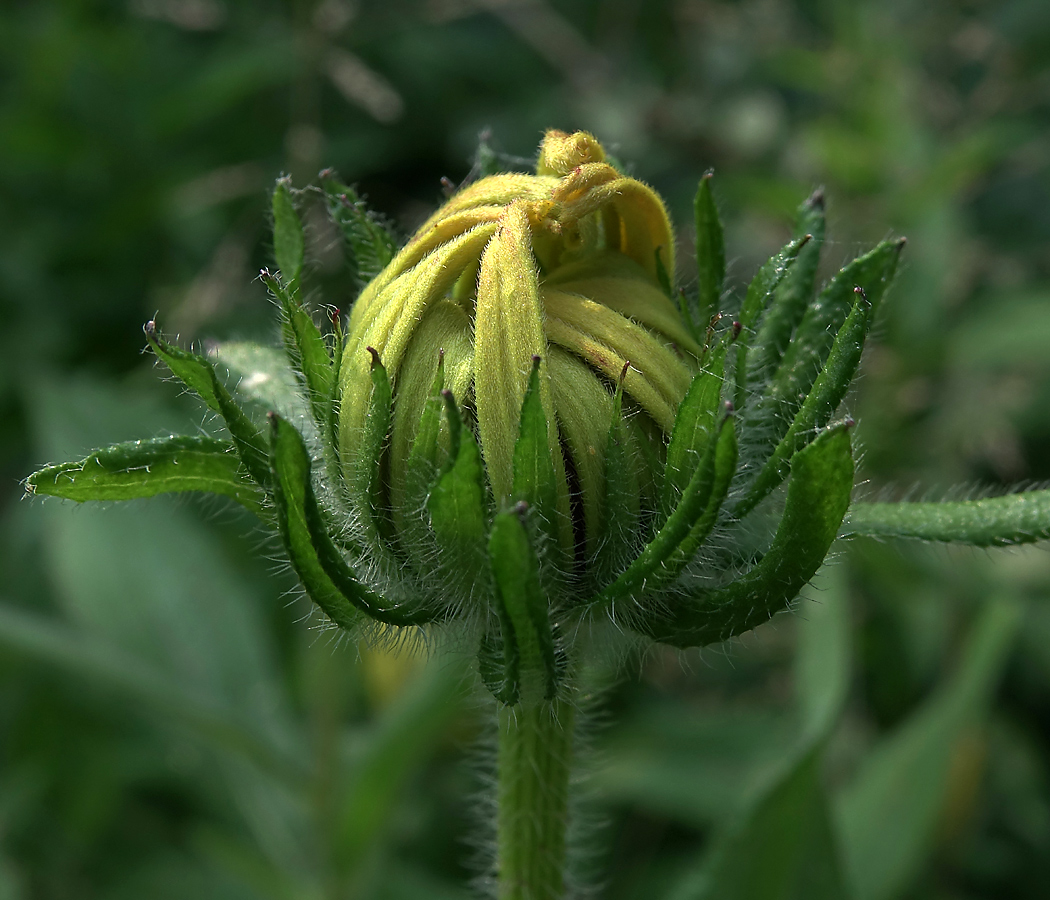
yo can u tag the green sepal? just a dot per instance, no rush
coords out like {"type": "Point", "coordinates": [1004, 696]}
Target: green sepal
{"type": "Point", "coordinates": [694, 424]}
{"type": "Point", "coordinates": [726, 453]}
{"type": "Point", "coordinates": [621, 502]}
{"type": "Point", "coordinates": [534, 479]}
{"type": "Point", "coordinates": [321, 568]}
{"type": "Point", "coordinates": [366, 482]}
{"type": "Point", "coordinates": [990, 522]}
{"type": "Point", "coordinates": [804, 359]}
{"type": "Point", "coordinates": [422, 467]}
{"type": "Point", "coordinates": [523, 609]}
{"type": "Point", "coordinates": [457, 506]}
{"type": "Point", "coordinates": [651, 561]}
{"type": "Point", "coordinates": [288, 244]}
{"type": "Point", "coordinates": [308, 353]}
{"type": "Point", "coordinates": [820, 404]}
{"type": "Point", "coordinates": [498, 663]}
{"type": "Point", "coordinates": [817, 497]}
{"type": "Point", "coordinates": [168, 465]}
{"type": "Point", "coordinates": [760, 294]}
{"type": "Point", "coordinates": [792, 296]}
{"type": "Point", "coordinates": [199, 376]}
{"type": "Point", "coordinates": [710, 251]}
{"type": "Point", "coordinates": [369, 244]}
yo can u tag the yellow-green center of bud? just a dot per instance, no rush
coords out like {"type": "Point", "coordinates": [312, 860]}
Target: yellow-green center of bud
{"type": "Point", "coordinates": [563, 265]}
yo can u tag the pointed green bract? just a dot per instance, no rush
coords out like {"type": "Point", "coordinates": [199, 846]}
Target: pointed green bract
{"type": "Point", "coordinates": [659, 550]}
{"type": "Point", "coordinates": [820, 405]}
{"type": "Point", "coordinates": [457, 509]}
{"type": "Point", "coordinates": [287, 234]}
{"type": "Point", "coordinates": [760, 294]}
{"type": "Point", "coordinates": [694, 424]}
{"type": "Point", "coordinates": [817, 498]}
{"type": "Point", "coordinates": [329, 581]}
{"type": "Point", "coordinates": [366, 481]}
{"type": "Point", "coordinates": [369, 244]}
{"type": "Point", "coordinates": [991, 522]}
{"type": "Point", "coordinates": [199, 376]}
{"type": "Point", "coordinates": [534, 479]}
{"type": "Point", "coordinates": [308, 352]}
{"type": "Point", "coordinates": [724, 469]}
{"type": "Point", "coordinates": [793, 295]}
{"type": "Point", "coordinates": [804, 359]}
{"type": "Point", "coordinates": [524, 614]}
{"type": "Point", "coordinates": [710, 251]}
{"type": "Point", "coordinates": [618, 527]}
{"type": "Point", "coordinates": [168, 465]}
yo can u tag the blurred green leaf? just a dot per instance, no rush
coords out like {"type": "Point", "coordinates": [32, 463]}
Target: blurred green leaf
{"type": "Point", "coordinates": [888, 815]}
{"type": "Point", "coordinates": [783, 848]}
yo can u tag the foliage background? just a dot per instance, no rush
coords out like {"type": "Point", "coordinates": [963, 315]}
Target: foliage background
{"type": "Point", "coordinates": [169, 723]}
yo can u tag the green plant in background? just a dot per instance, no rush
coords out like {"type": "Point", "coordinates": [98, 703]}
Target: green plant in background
{"type": "Point", "coordinates": [530, 438]}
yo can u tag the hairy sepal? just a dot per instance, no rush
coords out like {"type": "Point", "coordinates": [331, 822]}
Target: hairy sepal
{"type": "Point", "coordinates": [370, 245]}
{"type": "Point", "coordinates": [817, 498]}
{"type": "Point", "coordinates": [321, 567]}
{"type": "Point", "coordinates": [198, 374]}
{"type": "Point", "coordinates": [530, 658]}
{"type": "Point", "coordinates": [710, 252]}
{"type": "Point", "coordinates": [793, 295]}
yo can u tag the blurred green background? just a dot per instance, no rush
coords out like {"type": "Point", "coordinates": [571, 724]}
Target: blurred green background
{"type": "Point", "coordinates": [173, 723]}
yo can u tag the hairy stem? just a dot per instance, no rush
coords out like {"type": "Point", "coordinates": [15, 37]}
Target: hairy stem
{"type": "Point", "coordinates": [535, 757]}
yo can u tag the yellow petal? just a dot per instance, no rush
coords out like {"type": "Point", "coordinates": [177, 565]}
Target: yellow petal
{"type": "Point", "coordinates": [508, 333]}
{"type": "Point", "coordinates": [560, 152]}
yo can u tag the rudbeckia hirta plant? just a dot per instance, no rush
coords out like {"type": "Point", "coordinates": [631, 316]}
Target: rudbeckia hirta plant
{"type": "Point", "coordinates": [526, 435]}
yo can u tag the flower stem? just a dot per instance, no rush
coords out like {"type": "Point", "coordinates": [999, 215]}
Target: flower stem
{"type": "Point", "coordinates": [535, 757]}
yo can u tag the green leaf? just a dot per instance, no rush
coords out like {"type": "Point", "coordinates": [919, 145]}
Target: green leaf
{"type": "Point", "coordinates": [370, 245]}
{"type": "Point", "coordinates": [100, 661]}
{"type": "Point", "coordinates": [889, 814]}
{"type": "Point", "coordinates": [287, 233]}
{"type": "Point", "coordinates": [783, 848]}
{"type": "Point", "coordinates": [147, 468]}
{"type": "Point", "coordinates": [992, 522]}
{"type": "Point", "coordinates": [199, 376]}
{"type": "Point", "coordinates": [823, 657]}
{"type": "Point", "coordinates": [793, 295]}
{"type": "Point", "coordinates": [329, 581]}
{"type": "Point", "coordinates": [759, 295]}
{"type": "Point", "coordinates": [710, 251]}
{"type": "Point", "coordinates": [694, 424]}
{"type": "Point", "coordinates": [457, 508]}
{"type": "Point", "coordinates": [817, 498]}
{"type": "Point", "coordinates": [523, 607]}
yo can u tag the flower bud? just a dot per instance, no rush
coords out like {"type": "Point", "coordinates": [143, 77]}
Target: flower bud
{"type": "Point", "coordinates": [559, 267]}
